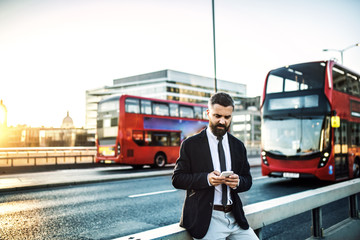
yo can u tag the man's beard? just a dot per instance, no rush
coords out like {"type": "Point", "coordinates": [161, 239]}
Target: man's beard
{"type": "Point", "coordinates": [218, 132]}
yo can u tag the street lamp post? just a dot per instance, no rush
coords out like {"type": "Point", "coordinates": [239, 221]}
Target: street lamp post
{"type": "Point", "coordinates": [342, 51]}
{"type": "Point", "coordinates": [213, 18]}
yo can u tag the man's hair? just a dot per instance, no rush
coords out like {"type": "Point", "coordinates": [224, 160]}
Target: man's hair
{"type": "Point", "coordinates": [222, 99]}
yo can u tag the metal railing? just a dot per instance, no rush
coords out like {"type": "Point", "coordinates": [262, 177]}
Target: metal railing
{"type": "Point", "coordinates": [35, 156]}
{"type": "Point", "coordinates": [264, 213]}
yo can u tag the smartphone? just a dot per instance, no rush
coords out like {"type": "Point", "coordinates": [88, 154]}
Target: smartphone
{"type": "Point", "coordinates": [226, 173]}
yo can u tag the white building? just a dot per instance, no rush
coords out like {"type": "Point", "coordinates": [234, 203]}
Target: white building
{"type": "Point", "coordinates": [165, 84]}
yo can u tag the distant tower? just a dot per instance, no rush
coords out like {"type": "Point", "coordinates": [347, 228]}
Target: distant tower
{"type": "Point", "coordinates": [3, 115]}
{"type": "Point", "coordinates": [67, 122]}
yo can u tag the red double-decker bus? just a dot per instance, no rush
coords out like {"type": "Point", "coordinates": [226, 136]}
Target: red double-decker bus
{"type": "Point", "coordinates": [141, 131]}
{"type": "Point", "coordinates": [311, 122]}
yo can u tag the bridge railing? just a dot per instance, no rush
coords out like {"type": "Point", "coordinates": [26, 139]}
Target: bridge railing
{"type": "Point", "coordinates": [34, 156]}
{"type": "Point", "coordinates": [264, 213]}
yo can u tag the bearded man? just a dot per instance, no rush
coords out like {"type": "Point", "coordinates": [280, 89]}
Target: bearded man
{"type": "Point", "coordinates": [212, 207]}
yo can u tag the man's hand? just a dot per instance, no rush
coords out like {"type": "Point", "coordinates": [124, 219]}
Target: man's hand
{"type": "Point", "coordinates": [232, 181]}
{"type": "Point", "coordinates": [215, 179]}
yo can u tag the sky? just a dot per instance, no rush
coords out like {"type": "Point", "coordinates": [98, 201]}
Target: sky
{"type": "Point", "coordinates": [52, 51]}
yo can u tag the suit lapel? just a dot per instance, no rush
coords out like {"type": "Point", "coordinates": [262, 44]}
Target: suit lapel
{"type": "Point", "coordinates": [206, 151]}
{"type": "Point", "coordinates": [233, 153]}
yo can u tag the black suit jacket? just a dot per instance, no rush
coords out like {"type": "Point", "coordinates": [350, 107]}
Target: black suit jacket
{"type": "Point", "coordinates": [190, 173]}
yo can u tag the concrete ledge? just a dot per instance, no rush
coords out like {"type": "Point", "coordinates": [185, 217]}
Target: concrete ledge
{"type": "Point", "coordinates": [174, 232]}
{"type": "Point", "coordinates": [267, 212]}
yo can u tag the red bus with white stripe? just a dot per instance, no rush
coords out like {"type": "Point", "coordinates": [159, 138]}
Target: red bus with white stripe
{"type": "Point", "coordinates": [311, 122]}
{"type": "Point", "coordinates": [139, 131]}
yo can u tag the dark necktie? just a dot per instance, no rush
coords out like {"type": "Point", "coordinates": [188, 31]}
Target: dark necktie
{"type": "Point", "coordinates": [223, 168]}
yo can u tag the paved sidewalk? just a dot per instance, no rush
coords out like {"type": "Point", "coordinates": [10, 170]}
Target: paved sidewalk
{"type": "Point", "coordinates": [21, 181]}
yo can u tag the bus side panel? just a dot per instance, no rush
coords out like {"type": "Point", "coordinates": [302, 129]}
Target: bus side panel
{"type": "Point", "coordinates": [146, 155]}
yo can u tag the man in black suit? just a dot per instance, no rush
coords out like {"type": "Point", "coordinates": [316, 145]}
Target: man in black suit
{"type": "Point", "coordinates": [212, 207]}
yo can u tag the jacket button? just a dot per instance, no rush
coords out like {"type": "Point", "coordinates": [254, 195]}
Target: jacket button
{"type": "Point", "coordinates": [211, 204]}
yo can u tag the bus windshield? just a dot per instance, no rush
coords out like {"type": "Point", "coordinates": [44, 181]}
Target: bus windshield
{"type": "Point", "coordinates": [295, 136]}
{"type": "Point", "coordinates": [107, 121]}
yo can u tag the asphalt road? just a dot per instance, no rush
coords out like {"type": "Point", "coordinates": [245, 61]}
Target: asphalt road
{"type": "Point", "coordinates": [113, 209]}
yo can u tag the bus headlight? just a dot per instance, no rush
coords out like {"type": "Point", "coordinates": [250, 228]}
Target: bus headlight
{"type": "Point", "coordinates": [324, 159]}
{"type": "Point", "coordinates": [263, 157]}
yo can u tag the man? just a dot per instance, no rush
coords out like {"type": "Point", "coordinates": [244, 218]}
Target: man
{"type": "Point", "coordinates": [212, 208]}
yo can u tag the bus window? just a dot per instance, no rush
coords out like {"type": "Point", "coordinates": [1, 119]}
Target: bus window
{"type": "Point", "coordinates": [274, 84]}
{"type": "Point", "coordinates": [198, 113]}
{"type": "Point", "coordinates": [138, 137]}
{"type": "Point", "coordinates": [325, 134]}
{"type": "Point", "coordinates": [339, 80]}
{"type": "Point", "coordinates": [355, 133]}
{"type": "Point", "coordinates": [204, 113]}
{"type": "Point", "coordinates": [344, 137]}
{"type": "Point", "coordinates": [147, 138]}
{"type": "Point", "coordinates": [291, 85]}
{"type": "Point", "coordinates": [160, 139]}
{"type": "Point", "coordinates": [145, 107]}
{"type": "Point", "coordinates": [174, 110]}
{"type": "Point", "coordinates": [161, 109]}
{"type": "Point", "coordinates": [175, 138]}
{"type": "Point", "coordinates": [186, 112]}
{"type": "Point", "coordinates": [132, 105]}
{"type": "Point", "coordinates": [353, 84]}
{"type": "Point", "coordinates": [296, 77]}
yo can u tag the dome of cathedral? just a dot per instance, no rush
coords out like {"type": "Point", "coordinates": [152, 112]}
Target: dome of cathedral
{"type": "Point", "coordinates": [67, 122]}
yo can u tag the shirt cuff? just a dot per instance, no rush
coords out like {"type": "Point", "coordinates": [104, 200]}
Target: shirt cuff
{"type": "Point", "coordinates": [207, 178]}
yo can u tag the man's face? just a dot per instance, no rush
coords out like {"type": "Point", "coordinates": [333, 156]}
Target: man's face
{"type": "Point", "coordinates": [219, 119]}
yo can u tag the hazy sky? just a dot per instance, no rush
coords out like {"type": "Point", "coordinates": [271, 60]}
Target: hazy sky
{"type": "Point", "coordinates": [52, 51]}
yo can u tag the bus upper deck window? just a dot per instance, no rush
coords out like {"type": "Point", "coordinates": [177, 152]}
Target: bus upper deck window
{"type": "Point", "coordinates": [204, 113]}
{"type": "Point", "coordinates": [186, 112]}
{"type": "Point", "coordinates": [132, 105]}
{"type": "Point", "coordinates": [174, 110]}
{"type": "Point", "coordinates": [145, 107]}
{"type": "Point", "coordinates": [274, 84]}
{"type": "Point", "coordinates": [198, 113]}
{"type": "Point", "coordinates": [161, 109]}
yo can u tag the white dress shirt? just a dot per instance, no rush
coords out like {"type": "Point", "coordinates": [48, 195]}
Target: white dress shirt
{"type": "Point", "coordinates": [213, 144]}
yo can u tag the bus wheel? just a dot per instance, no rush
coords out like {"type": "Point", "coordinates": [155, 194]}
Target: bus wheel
{"type": "Point", "coordinates": [356, 168]}
{"type": "Point", "coordinates": [160, 160]}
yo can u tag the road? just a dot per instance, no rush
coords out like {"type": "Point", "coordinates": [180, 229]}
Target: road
{"type": "Point", "coordinates": [113, 209]}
